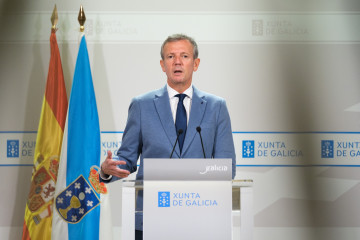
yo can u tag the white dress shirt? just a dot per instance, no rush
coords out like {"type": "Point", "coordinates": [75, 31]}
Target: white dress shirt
{"type": "Point", "coordinates": [175, 100]}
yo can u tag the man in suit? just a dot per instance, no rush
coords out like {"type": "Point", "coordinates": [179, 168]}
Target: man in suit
{"type": "Point", "coordinates": [155, 119]}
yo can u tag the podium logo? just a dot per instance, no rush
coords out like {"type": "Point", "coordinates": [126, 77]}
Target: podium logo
{"type": "Point", "coordinates": [163, 199]}
{"type": "Point", "coordinates": [248, 147]}
{"type": "Point", "coordinates": [327, 149]}
{"type": "Point", "coordinates": [214, 168]}
{"type": "Point", "coordinates": [12, 148]}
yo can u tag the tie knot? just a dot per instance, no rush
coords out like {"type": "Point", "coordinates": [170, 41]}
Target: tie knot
{"type": "Point", "coordinates": [181, 96]}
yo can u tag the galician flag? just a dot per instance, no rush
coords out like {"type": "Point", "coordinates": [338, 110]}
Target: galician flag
{"type": "Point", "coordinates": [38, 211]}
{"type": "Point", "coordinates": [79, 202]}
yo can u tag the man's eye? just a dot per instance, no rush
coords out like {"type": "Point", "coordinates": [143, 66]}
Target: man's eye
{"type": "Point", "coordinates": [170, 57]}
{"type": "Point", "coordinates": [185, 56]}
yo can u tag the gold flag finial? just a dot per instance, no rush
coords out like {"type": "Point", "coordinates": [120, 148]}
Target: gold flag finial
{"type": "Point", "coordinates": [81, 18]}
{"type": "Point", "coordinates": [54, 18]}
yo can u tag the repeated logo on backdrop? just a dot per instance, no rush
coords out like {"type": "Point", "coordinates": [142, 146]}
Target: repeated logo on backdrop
{"type": "Point", "coordinates": [341, 150]}
{"type": "Point", "coordinates": [12, 148]}
{"type": "Point", "coordinates": [19, 148]}
{"type": "Point", "coordinates": [327, 149]}
{"type": "Point", "coordinates": [283, 27]}
{"type": "Point", "coordinates": [267, 148]}
{"type": "Point", "coordinates": [248, 149]}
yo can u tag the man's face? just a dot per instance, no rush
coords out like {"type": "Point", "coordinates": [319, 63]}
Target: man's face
{"type": "Point", "coordinates": [179, 64]}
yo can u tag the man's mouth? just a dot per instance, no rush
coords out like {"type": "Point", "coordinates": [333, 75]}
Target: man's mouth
{"type": "Point", "coordinates": [178, 71]}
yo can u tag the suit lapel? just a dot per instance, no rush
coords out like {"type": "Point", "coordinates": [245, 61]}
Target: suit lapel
{"type": "Point", "coordinates": [163, 109]}
{"type": "Point", "coordinates": [197, 111]}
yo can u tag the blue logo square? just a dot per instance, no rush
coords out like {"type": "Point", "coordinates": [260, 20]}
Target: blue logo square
{"type": "Point", "coordinates": [12, 148]}
{"type": "Point", "coordinates": [327, 149]}
{"type": "Point", "coordinates": [248, 149]}
{"type": "Point", "coordinates": [163, 199]}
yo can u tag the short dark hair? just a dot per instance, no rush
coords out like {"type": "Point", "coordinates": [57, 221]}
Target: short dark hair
{"type": "Point", "coordinates": [178, 37]}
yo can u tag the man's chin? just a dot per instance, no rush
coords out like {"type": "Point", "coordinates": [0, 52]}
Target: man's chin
{"type": "Point", "coordinates": [178, 80]}
{"type": "Point", "coordinates": [178, 77]}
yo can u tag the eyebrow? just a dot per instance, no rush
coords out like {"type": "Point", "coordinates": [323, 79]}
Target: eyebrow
{"type": "Point", "coordinates": [180, 53]}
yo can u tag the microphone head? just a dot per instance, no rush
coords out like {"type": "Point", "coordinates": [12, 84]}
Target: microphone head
{"type": "Point", "coordinates": [180, 131]}
{"type": "Point", "coordinates": [198, 129]}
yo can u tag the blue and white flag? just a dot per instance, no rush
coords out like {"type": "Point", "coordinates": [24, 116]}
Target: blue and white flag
{"type": "Point", "coordinates": [79, 197]}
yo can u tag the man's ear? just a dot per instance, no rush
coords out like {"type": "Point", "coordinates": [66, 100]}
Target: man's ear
{"type": "Point", "coordinates": [196, 64]}
{"type": "Point", "coordinates": [162, 64]}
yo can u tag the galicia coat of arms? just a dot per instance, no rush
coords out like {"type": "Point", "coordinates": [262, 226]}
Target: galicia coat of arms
{"type": "Point", "coordinates": [77, 200]}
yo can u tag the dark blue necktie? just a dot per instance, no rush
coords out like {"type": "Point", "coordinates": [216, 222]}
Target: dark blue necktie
{"type": "Point", "coordinates": [181, 120]}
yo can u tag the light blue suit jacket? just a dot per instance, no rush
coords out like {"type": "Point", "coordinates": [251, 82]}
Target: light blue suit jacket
{"type": "Point", "coordinates": [150, 130]}
{"type": "Point", "coordinates": [150, 133]}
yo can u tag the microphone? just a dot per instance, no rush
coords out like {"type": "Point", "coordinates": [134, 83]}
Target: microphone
{"type": "Point", "coordinates": [179, 132]}
{"type": "Point", "coordinates": [198, 129]}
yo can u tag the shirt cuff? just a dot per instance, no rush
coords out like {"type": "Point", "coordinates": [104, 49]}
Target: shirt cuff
{"type": "Point", "coordinates": [104, 176]}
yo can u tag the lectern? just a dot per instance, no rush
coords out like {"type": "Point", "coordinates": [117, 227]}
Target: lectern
{"type": "Point", "coordinates": [189, 199]}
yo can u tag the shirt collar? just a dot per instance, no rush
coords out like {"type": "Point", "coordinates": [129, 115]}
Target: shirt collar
{"type": "Point", "coordinates": [172, 92]}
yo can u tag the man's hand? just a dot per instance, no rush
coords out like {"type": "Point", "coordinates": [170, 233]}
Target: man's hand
{"type": "Point", "coordinates": [110, 167]}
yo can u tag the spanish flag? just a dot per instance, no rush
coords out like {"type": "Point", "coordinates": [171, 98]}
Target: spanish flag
{"type": "Point", "coordinates": [38, 211]}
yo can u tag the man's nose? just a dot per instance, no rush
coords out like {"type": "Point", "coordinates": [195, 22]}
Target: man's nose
{"type": "Point", "coordinates": [177, 60]}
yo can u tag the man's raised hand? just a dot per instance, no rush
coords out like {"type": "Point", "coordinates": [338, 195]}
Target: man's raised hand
{"type": "Point", "coordinates": [110, 167]}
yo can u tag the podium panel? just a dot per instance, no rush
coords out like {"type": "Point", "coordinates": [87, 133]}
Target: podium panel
{"type": "Point", "coordinates": [187, 199]}
{"type": "Point", "coordinates": [180, 210]}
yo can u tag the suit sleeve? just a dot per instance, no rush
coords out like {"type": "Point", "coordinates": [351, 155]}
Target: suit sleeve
{"type": "Point", "coordinates": [224, 143]}
{"type": "Point", "coordinates": [131, 144]}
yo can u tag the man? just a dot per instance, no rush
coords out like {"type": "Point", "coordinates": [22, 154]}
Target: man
{"type": "Point", "coordinates": [156, 119]}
